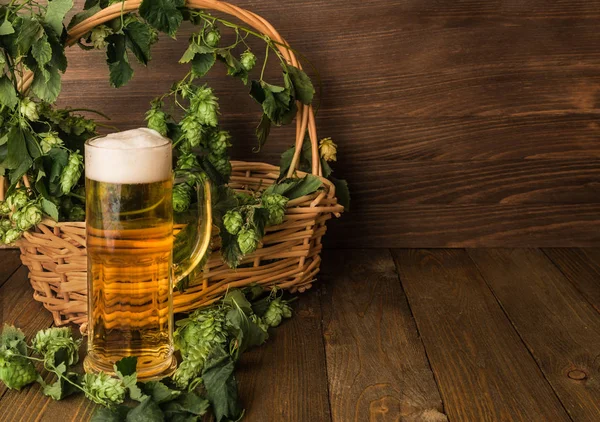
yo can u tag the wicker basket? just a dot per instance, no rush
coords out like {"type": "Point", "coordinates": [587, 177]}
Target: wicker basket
{"type": "Point", "coordinates": [288, 257]}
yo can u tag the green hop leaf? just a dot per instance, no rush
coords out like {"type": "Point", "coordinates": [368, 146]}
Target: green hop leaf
{"type": "Point", "coordinates": [182, 195]}
{"type": "Point", "coordinates": [71, 173]}
{"type": "Point", "coordinates": [102, 389]}
{"type": "Point", "coordinates": [233, 221]}
{"type": "Point", "coordinates": [247, 240]}
{"type": "Point", "coordinates": [248, 60]}
{"type": "Point", "coordinates": [28, 109]}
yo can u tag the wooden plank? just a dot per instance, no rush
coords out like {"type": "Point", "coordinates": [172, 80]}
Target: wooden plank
{"type": "Point", "coordinates": [561, 329]}
{"type": "Point", "coordinates": [434, 226]}
{"type": "Point", "coordinates": [286, 378]}
{"type": "Point", "coordinates": [9, 263]}
{"type": "Point", "coordinates": [582, 268]}
{"type": "Point", "coordinates": [509, 182]}
{"type": "Point", "coordinates": [376, 363]}
{"type": "Point", "coordinates": [483, 370]}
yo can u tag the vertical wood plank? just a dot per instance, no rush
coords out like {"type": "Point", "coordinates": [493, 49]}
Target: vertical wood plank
{"type": "Point", "coordinates": [483, 369]}
{"type": "Point", "coordinates": [582, 268]}
{"type": "Point", "coordinates": [376, 363]}
{"type": "Point", "coordinates": [561, 329]}
{"type": "Point", "coordinates": [9, 263]}
{"type": "Point", "coordinates": [286, 379]}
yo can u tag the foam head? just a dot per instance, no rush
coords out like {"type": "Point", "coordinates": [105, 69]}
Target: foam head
{"type": "Point", "coordinates": [133, 156]}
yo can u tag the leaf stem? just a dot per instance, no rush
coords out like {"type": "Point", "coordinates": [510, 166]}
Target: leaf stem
{"type": "Point", "coordinates": [262, 72]}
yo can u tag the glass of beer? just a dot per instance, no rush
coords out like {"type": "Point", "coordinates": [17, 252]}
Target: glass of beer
{"type": "Point", "coordinates": [129, 224]}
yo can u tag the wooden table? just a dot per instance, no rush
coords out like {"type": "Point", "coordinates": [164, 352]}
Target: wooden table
{"type": "Point", "coordinates": [415, 335]}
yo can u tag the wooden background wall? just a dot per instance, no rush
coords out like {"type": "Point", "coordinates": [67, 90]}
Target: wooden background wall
{"type": "Point", "coordinates": [459, 122]}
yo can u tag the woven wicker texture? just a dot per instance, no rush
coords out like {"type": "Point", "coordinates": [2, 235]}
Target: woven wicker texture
{"type": "Point", "coordinates": [288, 257]}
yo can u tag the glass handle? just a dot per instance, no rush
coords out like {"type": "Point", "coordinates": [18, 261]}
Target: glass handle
{"type": "Point", "coordinates": [189, 252]}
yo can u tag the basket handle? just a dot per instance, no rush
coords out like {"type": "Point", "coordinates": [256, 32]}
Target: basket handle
{"type": "Point", "coordinates": [305, 118]}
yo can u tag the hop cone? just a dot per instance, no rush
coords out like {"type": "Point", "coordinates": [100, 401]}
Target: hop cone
{"type": "Point", "coordinates": [29, 109]}
{"type": "Point", "coordinates": [205, 106]}
{"type": "Point", "coordinates": [4, 208]}
{"type": "Point", "coordinates": [11, 236]}
{"type": "Point", "coordinates": [275, 204]}
{"type": "Point", "coordinates": [276, 311]}
{"type": "Point", "coordinates": [219, 142]}
{"type": "Point", "coordinates": [247, 240]}
{"type": "Point", "coordinates": [203, 331]}
{"type": "Point", "coordinates": [233, 221]}
{"type": "Point", "coordinates": [248, 60]}
{"type": "Point", "coordinates": [187, 161]}
{"type": "Point", "coordinates": [48, 342]}
{"type": "Point", "coordinates": [102, 389]}
{"type": "Point", "coordinates": [99, 35]}
{"type": "Point", "coordinates": [49, 141]}
{"type": "Point", "coordinates": [28, 217]}
{"type": "Point", "coordinates": [221, 164]}
{"type": "Point", "coordinates": [17, 200]}
{"type": "Point", "coordinates": [182, 196]}
{"type": "Point", "coordinates": [16, 371]}
{"type": "Point", "coordinates": [77, 213]}
{"type": "Point", "coordinates": [71, 173]}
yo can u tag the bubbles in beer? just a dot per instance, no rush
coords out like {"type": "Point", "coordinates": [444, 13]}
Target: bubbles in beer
{"type": "Point", "coordinates": [133, 156]}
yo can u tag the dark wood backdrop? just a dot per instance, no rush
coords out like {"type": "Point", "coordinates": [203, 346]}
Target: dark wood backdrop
{"type": "Point", "coordinates": [459, 122]}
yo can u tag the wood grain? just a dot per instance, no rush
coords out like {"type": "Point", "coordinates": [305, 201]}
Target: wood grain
{"type": "Point", "coordinates": [384, 375]}
{"type": "Point", "coordinates": [458, 83]}
{"type": "Point", "coordinates": [561, 329]}
{"type": "Point", "coordinates": [483, 370]}
{"type": "Point", "coordinates": [575, 181]}
{"type": "Point", "coordinates": [471, 226]}
{"type": "Point", "coordinates": [10, 263]}
{"type": "Point", "coordinates": [582, 268]}
{"type": "Point", "coordinates": [286, 378]}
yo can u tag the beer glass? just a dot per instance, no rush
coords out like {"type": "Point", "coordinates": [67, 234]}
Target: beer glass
{"type": "Point", "coordinates": [129, 225]}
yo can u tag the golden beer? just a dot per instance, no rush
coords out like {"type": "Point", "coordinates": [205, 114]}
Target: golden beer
{"type": "Point", "coordinates": [129, 244]}
{"type": "Point", "coordinates": [129, 224]}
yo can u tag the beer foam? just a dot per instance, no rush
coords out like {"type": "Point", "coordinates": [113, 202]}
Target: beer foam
{"type": "Point", "coordinates": [133, 156]}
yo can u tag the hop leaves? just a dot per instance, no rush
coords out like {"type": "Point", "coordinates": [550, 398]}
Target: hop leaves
{"type": "Point", "coordinates": [103, 389]}
{"type": "Point", "coordinates": [71, 172]}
